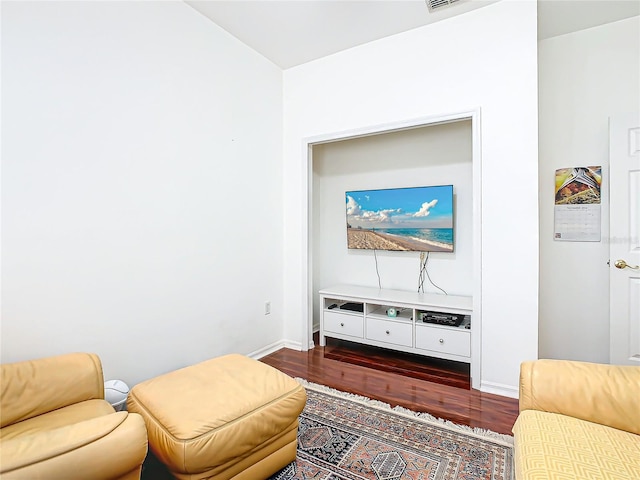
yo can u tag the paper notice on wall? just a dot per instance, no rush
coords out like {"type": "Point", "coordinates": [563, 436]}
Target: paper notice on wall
{"type": "Point", "coordinates": [577, 204]}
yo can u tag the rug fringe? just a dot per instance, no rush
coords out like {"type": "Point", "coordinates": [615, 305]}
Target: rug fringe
{"type": "Point", "coordinates": [482, 433]}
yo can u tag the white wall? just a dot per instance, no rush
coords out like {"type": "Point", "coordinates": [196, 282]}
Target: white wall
{"type": "Point", "coordinates": [584, 78]}
{"type": "Point", "coordinates": [141, 186]}
{"type": "Point", "coordinates": [433, 155]}
{"type": "Point", "coordinates": [485, 58]}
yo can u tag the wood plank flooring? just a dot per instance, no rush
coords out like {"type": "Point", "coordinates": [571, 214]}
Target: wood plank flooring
{"type": "Point", "coordinates": [456, 403]}
{"type": "Point", "coordinates": [456, 374]}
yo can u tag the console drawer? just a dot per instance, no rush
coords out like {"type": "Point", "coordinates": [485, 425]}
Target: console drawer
{"type": "Point", "coordinates": [438, 339]}
{"type": "Point", "coordinates": [344, 324]}
{"type": "Point", "coordinates": [397, 333]}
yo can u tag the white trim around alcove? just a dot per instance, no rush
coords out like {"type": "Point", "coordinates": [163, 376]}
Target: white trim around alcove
{"type": "Point", "coordinates": [307, 182]}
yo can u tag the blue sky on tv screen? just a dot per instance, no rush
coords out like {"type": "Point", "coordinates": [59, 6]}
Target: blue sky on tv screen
{"type": "Point", "coordinates": [418, 207]}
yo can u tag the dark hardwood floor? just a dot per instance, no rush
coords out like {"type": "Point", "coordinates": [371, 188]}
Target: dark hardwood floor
{"type": "Point", "coordinates": [351, 368]}
{"type": "Point", "coordinates": [456, 374]}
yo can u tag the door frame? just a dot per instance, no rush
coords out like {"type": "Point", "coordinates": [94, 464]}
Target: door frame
{"type": "Point", "coordinates": [307, 219]}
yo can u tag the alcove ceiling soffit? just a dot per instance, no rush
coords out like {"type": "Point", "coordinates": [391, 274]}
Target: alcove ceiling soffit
{"type": "Point", "coordinates": [292, 32]}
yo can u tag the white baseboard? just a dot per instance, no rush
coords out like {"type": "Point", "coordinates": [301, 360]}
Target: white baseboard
{"type": "Point", "coordinates": [499, 389]}
{"type": "Point", "coordinates": [274, 347]}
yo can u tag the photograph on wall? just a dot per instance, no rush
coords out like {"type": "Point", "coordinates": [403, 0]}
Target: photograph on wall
{"type": "Point", "coordinates": [577, 204]}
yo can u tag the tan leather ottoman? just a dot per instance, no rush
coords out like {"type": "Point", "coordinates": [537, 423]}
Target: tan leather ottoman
{"type": "Point", "coordinates": [227, 418]}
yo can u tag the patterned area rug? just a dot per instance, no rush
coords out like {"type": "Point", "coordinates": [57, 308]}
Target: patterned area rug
{"type": "Point", "coordinates": [344, 436]}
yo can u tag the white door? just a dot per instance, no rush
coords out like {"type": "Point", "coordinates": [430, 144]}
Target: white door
{"type": "Point", "coordinates": [624, 249]}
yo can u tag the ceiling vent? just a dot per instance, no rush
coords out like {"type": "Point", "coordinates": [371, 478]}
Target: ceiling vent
{"type": "Point", "coordinates": [438, 4]}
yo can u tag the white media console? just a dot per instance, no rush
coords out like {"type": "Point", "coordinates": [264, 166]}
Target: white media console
{"type": "Point", "coordinates": [370, 324]}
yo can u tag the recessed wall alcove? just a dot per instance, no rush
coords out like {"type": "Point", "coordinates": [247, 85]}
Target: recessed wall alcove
{"type": "Point", "coordinates": [429, 151]}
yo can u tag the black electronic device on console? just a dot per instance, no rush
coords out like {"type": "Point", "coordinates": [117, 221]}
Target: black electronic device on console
{"type": "Point", "coordinates": [439, 318]}
{"type": "Point", "coordinates": [352, 306]}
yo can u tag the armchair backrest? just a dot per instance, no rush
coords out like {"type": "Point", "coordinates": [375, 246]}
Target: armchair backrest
{"type": "Point", "coordinates": [599, 393]}
{"type": "Point", "coordinates": [39, 386]}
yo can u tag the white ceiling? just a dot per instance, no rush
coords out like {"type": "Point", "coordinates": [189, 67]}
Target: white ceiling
{"type": "Point", "coordinates": [292, 32]}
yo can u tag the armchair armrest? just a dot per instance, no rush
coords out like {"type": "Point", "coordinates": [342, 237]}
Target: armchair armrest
{"type": "Point", "coordinates": [100, 448]}
{"type": "Point", "coordinates": [35, 387]}
{"type": "Point", "coordinates": [604, 394]}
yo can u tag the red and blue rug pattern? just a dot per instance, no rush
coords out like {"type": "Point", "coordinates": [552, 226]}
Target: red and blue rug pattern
{"type": "Point", "coordinates": [342, 436]}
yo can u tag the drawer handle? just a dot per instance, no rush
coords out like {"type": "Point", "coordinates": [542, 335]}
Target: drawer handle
{"type": "Point", "coordinates": [387, 332]}
{"type": "Point", "coordinates": [441, 340]}
{"type": "Point", "coordinates": [342, 324]}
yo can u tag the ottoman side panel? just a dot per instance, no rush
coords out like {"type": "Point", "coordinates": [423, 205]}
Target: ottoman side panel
{"type": "Point", "coordinates": [165, 447]}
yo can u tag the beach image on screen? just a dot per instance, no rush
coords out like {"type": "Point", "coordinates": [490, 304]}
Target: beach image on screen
{"type": "Point", "coordinates": [410, 219]}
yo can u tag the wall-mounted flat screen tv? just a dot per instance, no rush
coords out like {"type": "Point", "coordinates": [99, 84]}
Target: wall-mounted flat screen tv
{"type": "Point", "coordinates": [418, 219]}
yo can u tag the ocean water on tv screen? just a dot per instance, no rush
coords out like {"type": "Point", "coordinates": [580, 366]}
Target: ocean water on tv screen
{"type": "Point", "coordinates": [436, 235]}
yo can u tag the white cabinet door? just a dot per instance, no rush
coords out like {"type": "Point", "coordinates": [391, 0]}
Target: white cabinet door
{"type": "Point", "coordinates": [624, 245]}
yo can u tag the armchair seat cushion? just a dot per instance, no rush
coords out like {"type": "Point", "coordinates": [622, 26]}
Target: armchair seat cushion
{"type": "Point", "coordinates": [30, 449]}
{"type": "Point", "coordinates": [61, 417]}
{"type": "Point", "coordinates": [551, 445]}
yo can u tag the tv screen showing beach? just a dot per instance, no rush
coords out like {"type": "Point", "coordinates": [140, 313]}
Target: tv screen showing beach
{"type": "Point", "coordinates": [417, 219]}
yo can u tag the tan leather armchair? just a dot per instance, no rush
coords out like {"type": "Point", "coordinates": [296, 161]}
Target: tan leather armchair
{"type": "Point", "coordinates": [55, 423]}
{"type": "Point", "coordinates": [577, 420]}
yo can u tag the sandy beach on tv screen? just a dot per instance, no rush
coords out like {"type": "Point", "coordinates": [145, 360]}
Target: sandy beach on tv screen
{"type": "Point", "coordinates": [366, 239]}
